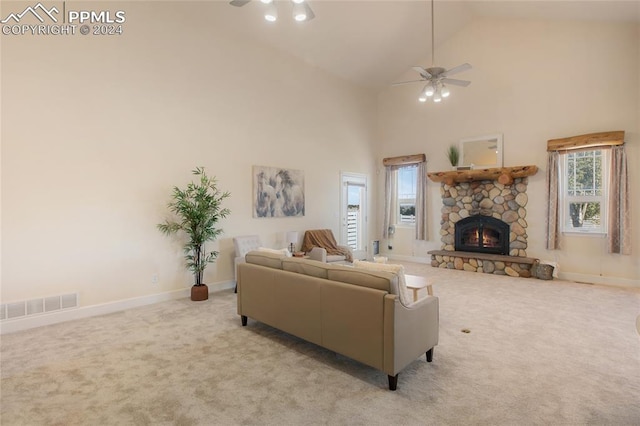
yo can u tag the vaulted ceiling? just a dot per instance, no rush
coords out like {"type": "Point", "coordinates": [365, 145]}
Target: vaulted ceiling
{"type": "Point", "coordinates": [373, 43]}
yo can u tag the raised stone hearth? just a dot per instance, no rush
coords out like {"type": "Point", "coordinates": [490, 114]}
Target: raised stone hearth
{"type": "Point", "coordinates": [504, 201]}
{"type": "Point", "coordinates": [513, 266]}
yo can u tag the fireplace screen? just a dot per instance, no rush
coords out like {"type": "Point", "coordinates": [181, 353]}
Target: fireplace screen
{"type": "Point", "coordinates": [482, 234]}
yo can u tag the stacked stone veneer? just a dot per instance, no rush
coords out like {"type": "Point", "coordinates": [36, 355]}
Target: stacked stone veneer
{"type": "Point", "coordinates": [488, 198]}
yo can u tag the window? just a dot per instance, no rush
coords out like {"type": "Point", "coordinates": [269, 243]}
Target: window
{"type": "Point", "coordinates": [407, 178]}
{"type": "Point", "coordinates": [583, 195]}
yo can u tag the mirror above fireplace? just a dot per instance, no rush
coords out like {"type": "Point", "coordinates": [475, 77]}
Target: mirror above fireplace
{"type": "Point", "coordinates": [481, 152]}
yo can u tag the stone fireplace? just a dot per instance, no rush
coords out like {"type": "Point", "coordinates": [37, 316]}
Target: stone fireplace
{"type": "Point", "coordinates": [506, 203]}
{"type": "Point", "coordinates": [484, 227]}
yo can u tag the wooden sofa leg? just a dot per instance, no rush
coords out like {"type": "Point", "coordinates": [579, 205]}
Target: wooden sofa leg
{"type": "Point", "coordinates": [393, 382]}
{"type": "Point", "coordinates": [244, 320]}
{"type": "Point", "coordinates": [430, 355]}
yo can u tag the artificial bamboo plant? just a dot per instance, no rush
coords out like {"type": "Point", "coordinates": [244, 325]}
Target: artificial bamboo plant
{"type": "Point", "coordinates": [197, 210]}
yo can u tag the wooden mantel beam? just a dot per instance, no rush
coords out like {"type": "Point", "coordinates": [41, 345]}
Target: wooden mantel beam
{"type": "Point", "coordinates": [503, 175]}
{"type": "Point", "coordinates": [591, 140]}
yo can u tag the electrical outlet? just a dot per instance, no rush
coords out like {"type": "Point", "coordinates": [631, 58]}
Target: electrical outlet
{"type": "Point", "coordinates": [154, 279]}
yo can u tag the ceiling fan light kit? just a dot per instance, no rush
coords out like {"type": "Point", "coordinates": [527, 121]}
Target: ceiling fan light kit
{"type": "Point", "coordinates": [271, 13]}
{"type": "Point", "coordinates": [429, 90]}
{"type": "Point", "coordinates": [301, 9]}
{"type": "Point", "coordinates": [436, 77]}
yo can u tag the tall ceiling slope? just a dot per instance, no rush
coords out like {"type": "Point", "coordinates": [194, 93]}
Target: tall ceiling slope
{"type": "Point", "coordinates": [373, 43]}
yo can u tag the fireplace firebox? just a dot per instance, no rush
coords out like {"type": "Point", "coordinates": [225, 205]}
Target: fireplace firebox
{"type": "Point", "coordinates": [483, 234]}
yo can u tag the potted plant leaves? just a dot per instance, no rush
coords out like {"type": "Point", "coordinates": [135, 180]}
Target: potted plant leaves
{"type": "Point", "coordinates": [453, 154]}
{"type": "Point", "coordinates": [197, 209]}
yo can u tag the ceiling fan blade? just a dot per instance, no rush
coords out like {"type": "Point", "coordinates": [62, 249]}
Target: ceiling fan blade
{"type": "Point", "coordinates": [463, 83]}
{"type": "Point", "coordinates": [238, 3]}
{"type": "Point", "coordinates": [424, 73]}
{"type": "Point", "coordinates": [456, 70]}
{"type": "Point", "coordinates": [399, 83]}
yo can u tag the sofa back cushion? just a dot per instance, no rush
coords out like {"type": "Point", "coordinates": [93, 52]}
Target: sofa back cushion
{"type": "Point", "coordinates": [373, 279]}
{"type": "Point", "coordinates": [313, 268]}
{"type": "Point", "coordinates": [264, 258]}
{"type": "Point", "coordinates": [282, 252]}
{"type": "Point", "coordinates": [398, 288]}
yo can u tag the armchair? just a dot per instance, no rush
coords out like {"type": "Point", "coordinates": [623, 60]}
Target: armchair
{"type": "Point", "coordinates": [243, 245]}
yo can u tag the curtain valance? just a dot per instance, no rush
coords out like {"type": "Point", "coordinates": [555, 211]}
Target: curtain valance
{"type": "Point", "coordinates": [588, 141]}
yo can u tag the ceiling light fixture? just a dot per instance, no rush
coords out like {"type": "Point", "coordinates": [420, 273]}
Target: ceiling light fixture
{"type": "Point", "coordinates": [437, 76]}
{"type": "Point", "coordinates": [429, 90]}
{"type": "Point", "coordinates": [301, 9]}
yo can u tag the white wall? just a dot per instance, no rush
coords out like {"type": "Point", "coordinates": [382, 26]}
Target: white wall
{"type": "Point", "coordinates": [97, 130]}
{"type": "Point", "coordinates": [532, 81]}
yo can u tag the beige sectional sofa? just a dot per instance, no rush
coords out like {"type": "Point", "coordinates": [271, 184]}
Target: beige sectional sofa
{"type": "Point", "coordinates": [352, 311]}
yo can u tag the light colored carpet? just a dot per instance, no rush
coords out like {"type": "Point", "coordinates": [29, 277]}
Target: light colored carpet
{"type": "Point", "coordinates": [539, 352]}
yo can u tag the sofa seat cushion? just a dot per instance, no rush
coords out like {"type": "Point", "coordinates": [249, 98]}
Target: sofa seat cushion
{"type": "Point", "coordinates": [400, 288]}
{"type": "Point", "coordinates": [265, 258]}
{"type": "Point", "coordinates": [313, 268]}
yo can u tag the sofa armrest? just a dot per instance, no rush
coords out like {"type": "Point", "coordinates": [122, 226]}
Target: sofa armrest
{"type": "Point", "coordinates": [410, 331]}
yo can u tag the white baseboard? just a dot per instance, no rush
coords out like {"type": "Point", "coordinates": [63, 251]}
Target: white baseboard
{"type": "Point", "coordinates": [413, 259]}
{"type": "Point", "coordinates": [25, 323]}
{"type": "Point", "coordinates": [597, 279]}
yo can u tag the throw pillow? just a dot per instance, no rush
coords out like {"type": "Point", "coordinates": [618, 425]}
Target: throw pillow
{"type": "Point", "coordinates": [406, 298]}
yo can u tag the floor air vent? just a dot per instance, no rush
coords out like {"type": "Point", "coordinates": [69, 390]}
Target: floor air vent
{"type": "Point", "coordinates": [38, 306]}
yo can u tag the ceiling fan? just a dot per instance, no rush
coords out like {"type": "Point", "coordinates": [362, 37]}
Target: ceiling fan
{"type": "Point", "coordinates": [436, 77]}
{"type": "Point", "coordinates": [301, 10]}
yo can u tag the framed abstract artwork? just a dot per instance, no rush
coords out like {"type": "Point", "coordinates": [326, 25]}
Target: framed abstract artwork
{"type": "Point", "coordinates": [277, 192]}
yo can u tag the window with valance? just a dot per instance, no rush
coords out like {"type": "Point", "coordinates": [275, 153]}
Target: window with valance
{"type": "Point", "coordinates": [406, 194]}
{"type": "Point", "coordinates": [588, 189]}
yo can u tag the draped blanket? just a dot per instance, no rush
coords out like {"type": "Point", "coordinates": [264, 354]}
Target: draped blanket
{"type": "Point", "coordinates": [324, 238]}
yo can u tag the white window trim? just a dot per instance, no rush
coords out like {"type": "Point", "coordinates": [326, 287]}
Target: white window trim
{"type": "Point", "coordinates": [565, 200]}
{"type": "Point", "coordinates": [399, 201]}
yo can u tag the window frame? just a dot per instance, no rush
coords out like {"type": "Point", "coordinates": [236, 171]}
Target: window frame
{"type": "Point", "coordinates": [565, 200]}
{"type": "Point", "coordinates": [399, 202]}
